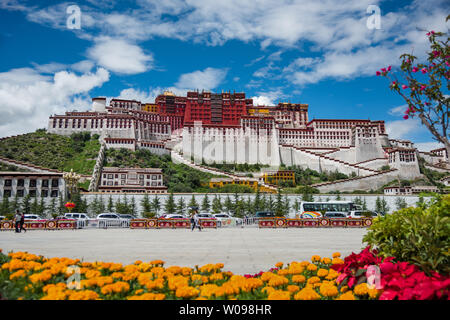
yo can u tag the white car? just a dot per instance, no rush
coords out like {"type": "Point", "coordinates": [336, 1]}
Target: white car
{"type": "Point", "coordinates": [225, 219]}
{"type": "Point", "coordinates": [2, 217]}
{"type": "Point", "coordinates": [109, 219]}
{"type": "Point", "coordinates": [360, 214]}
{"type": "Point", "coordinates": [172, 216]}
{"type": "Point", "coordinates": [33, 217]}
{"type": "Point", "coordinates": [82, 218]}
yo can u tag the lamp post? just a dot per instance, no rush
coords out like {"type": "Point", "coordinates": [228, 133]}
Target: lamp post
{"type": "Point", "coordinates": [71, 179]}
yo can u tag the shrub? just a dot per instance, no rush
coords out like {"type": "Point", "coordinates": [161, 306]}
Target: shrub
{"type": "Point", "coordinates": [416, 235]}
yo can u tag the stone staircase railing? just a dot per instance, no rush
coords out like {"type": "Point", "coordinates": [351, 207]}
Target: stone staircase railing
{"type": "Point", "coordinates": [95, 179]}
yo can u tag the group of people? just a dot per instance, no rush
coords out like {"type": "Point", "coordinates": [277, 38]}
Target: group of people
{"type": "Point", "coordinates": [19, 219]}
{"type": "Point", "coordinates": [195, 222]}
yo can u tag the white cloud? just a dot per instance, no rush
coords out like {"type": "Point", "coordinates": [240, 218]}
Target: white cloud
{"type": "Point", "coordinates": [207, 79]}
{"type": "Point", "coordinates": [405, 129]}
{"type": "Point", "coordinates": [398, 111]}
{"type": "Point", "coordinates": [28, 98]}
{"type": "Point", "coordinates": [120, 56]}
{"type": "Point", "coordinates": [268, 98]}
{"type": "Point", "coordinates": [428, 146]}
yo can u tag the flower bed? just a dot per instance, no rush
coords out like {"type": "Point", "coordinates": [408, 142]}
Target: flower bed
{"type": "Point", "coordinates": [28, 276]}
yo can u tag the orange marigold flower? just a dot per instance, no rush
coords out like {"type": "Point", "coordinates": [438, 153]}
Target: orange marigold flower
{"type": "Point", "coordinates": [326, 260]}
{"type": "Point", "coordinates": [322, 273]}
{"type": "Point", "coordinates": [293, 288]}
{"type": "Point", "coordinates": [313, 280]}
{"type": "Point", "coordinates": [279, 295]}
{"type": "Point", "coordinates": [336, 255]}
{"type": "Point", "coordinates": [307, 294]}
{"type": "Point", "coordinates": [346, 296]}
{"type": "Point", "coordinates": [337, 261]}
{"type": "Point", "coordinates": [328, 290]}
{"type": "Point", "coordinates": [311, 267]}
{"type": "Point", "coordinates": [315, 258]}
{"type": "Point", "coordinates": [148, 296]}
{"type": "Point", "coordinates": [298, 278]}
{"type": "Point", "coordinates": [361, 289]}
{"type": "Point", "coordinates": [279, 264]}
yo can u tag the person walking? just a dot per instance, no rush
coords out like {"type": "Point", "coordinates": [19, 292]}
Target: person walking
{"type": "Point", "coordinates": [197, 223]}
{"type": "Point", "coordinates": [17, 218]}
{"type": "Point", "coordinates": [22, 223]}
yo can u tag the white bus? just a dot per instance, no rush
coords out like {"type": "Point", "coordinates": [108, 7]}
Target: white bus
{"type": "Point", "coordinates": [316, 209]}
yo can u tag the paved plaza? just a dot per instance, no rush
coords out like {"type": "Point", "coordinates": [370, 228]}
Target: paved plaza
{"type": "Point", "coordinates": [242, 250]}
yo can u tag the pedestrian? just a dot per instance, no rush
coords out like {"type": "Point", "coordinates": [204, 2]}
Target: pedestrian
{"type": "Point", "coordinates": [192, 221]}
{"type": "Point", "coordinates": [22, 223]}
{"type": "Point", "coordinates": [197, 223]}
{"type": "Point", "coordinates": [17, 218]}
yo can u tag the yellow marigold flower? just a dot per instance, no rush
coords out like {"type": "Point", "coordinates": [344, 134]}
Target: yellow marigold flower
{"type": "Point", "coordinates": [92, 274]}
{"type": "Point", "coordinates": [186, 292]}
{"type": "Point", "coordinates": [337, 261]}
{"type": "Point", "coordinates": [298, 278]}
{"type": "Point", "coordinates": [177, 282]}
{"type": "Point", "coordinates": [139, 291]}
{"type": "Point", "coordinates": [174, 269]}
{"type": "Point", "coordinates": [157, 262]}
{"type": "Point", "coordinates": [344, 289]}
{"type": "Point", "coordinates": [279, 295]}
{"type": "Point", "coordinates": [185, 271]}
{"type": "Point", "coordinates": [83, 295]}
{"type": "Point", "coordinates": [116, 287]}
{"type": "Point", "coordinates": [137, 262]}
{"type": "Point", "coordinates": [208, 290]}
{"type": "Point", "coordinates": [304, 263]}
{"type": "Point", "coordinates": [219, 266]}
{"type": "Point", "coordinates": [313, 280]}
{"type": "Point", "coordinates": [311, 267]}
{"type": "Point", "coordinates": [148, 296]}
{"type": "Point", "coordinates": [278, 281]}
{"type": "Point", "coordinates": [283, 272]}
{"type": "Point", "coordinates": [315, 258]}
{"type": "Point", "coordinates": [361, 289]}
{"type": "Point", "coordinates": [327, 290]}
{"type": "Point", "coordinates": [266, 276]}
{"type": "Point", "coordinates": [326, 260]}
{"type": "Point", "coordinates": [373, 293]}
{"type": "Point", "coordinates": [40, 277]}
{"type": "Point", "coordinates": [157, 270]}
{"type": "Point", "coordinates": [154, 284]}
{"type": "Point", "coordinates": [293, 288]}
{"type": "Point", "coordinates": [296, 268]}
{"type": "Point", "coordinates": [346, 296]}
{"type": "Point", "coordinates": [307, 294]}
{"type": "Point", "coordinates": [216, 276]}
{"type": "Point", "coordinates": [144, 267]}
{"type": "Point", "coordinates": [336, 255]}
{"type": "Point", "coordinates": [279, 264]}
{"type": "Point", "coordinates": [322, 273]}
{"type": "Point", "coordinates": [332, 274]}
{"type": "Point", "coordinates": [268, 290]}
{"type": "Point", "coordinates": [17, 274]}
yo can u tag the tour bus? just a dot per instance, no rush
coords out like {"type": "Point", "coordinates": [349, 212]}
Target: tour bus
{"type": "Point", "coordinates": [316, 209]}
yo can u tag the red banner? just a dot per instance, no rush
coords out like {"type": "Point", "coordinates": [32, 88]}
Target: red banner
{"type": "Point", "coordinates": [314, 223]}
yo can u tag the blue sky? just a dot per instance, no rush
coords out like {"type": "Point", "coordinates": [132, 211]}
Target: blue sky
{"type": "Point", "coordinates": [318, 52]}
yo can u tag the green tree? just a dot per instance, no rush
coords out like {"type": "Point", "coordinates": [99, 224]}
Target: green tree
{"type": "Point", "coordinates": [110, 206]}
{"type": "Point", "coordinates": [286, 206]}
{"type": "Point", "coordinates": [52, 208]}
{"type": "Point", "coordinates": [400, 203]}
{"type": "Point", "coordinates": [42, 208]}
{"type": "Point", "coordinates": [170, 206]}
{"type": "Point", "coordinates": [34, 207]}
{"type": "Point", "coordinates": [145, 204]}
{"type": "Point", "coordinates": [216, 205]}
{"type": "Point", "coordinates": [26, 205]}
{"type": "Point", "coordinates": [205, 203]}
{"type": "Point", "coordinates": [15, 204]}
{"type": "Point", "coordinates": [101, 205]}
{"type": "Point", "coordinates": [279, 207]}
{"type": "Point", "coordinates": [270, 204]}
{"type": "Point", "coordinates": [5, 208]}
{"type": "Point", "coordinates": [133, 208]}
{"type": "Point", "coordinates": [181, 206]}
{"type": "Point", "coordinates": [228, 204]}
{"type": "Point", "coordinates": [422, 86]}
{"type": "Point", "coordinates": [193, 205]}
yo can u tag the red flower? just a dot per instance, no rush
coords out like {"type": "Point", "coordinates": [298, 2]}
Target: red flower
{"type": "Point", "coordinates": [388, 295]}
{"type": "Point", "coordinates": [378, 73]}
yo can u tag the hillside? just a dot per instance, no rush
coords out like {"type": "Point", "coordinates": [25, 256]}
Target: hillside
{"type": "Point", "coordinates": [77, 152]}
{"type": "Point", "coordinates": [177, 177]}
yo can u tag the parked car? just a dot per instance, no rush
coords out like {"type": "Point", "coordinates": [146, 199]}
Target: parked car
{"type": "Point", "coordinates": [362, 213]}
{"type": "Point", "coordinates": [172, 216]}
{"type": "Point", "coordinates": [335, 215]}
{"type": "Point", "coordinates": [264, 214]}
{"type": "Point", "coordinates": [2, 217]}
{"type": "Point", "coordinates": [33, 217]}
{"type": "Point", "coordinates": [82, 218]}
{"type": "Point", "coordinates": [225, 218]}
{"type": "Point", "coordinates": [109, 219]}
{"type": "Point", "coordinates": [205, 216]}
{"type": "Point", "coordinates": [127, 216]}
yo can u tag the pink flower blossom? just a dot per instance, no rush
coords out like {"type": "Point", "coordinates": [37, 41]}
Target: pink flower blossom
{"type": "Point", "coordinates": [389, 68]}
{"type": "Point", "coordinates": [405, 117]}
{"type": "Point", "coordinates": [424, 70]}
{"type": "Point", "coordinates": [378, 73]}
{"type": "Point", "coordinates": [404, 86]}
{"type": "Point", "coordinates": [415, 69]}
{"type": "Point", "coordinates": [422, 87]}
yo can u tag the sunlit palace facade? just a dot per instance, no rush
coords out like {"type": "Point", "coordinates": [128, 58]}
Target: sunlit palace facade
{"type": "Point", "coordinates": [227, 127]}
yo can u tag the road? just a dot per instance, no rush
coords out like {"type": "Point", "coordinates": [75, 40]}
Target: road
{"type": "Point", "coordinates": [242, 250]}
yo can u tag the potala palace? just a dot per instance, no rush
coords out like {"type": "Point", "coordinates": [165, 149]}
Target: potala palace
{"type": "Point", "coordinates": [203, 128]}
